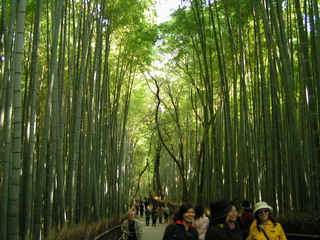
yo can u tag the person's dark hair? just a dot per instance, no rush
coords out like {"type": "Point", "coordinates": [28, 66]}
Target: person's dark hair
{"type": "Point", "coordinates": [175, 215]}
{"type": "Point", "coordinates": [183, 209]}
{"type": "Point", "coordinates": [199, 211]}
{"type": "Point", "coordinates": [259, 221]}
{"type": "Point", "coordinates": [232, 203]}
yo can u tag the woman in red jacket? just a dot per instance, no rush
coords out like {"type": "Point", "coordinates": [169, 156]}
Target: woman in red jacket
{"type": "Point", "coordinates": [183, 228]}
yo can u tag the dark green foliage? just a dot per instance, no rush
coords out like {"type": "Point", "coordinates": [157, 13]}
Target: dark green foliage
{"type": "Point", "coordinates": [302, 223]}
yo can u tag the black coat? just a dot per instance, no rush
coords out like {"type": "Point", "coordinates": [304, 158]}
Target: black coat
{"type": "Point", "coordinates": [177, 231]}
{"type": "Point", "coordinates": [235, 233]}
{"type": "Point", "coordinates": [215, 232]}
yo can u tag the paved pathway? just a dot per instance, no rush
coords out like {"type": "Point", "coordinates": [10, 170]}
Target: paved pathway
{"type": "Point", "coordinates": [152, 233]}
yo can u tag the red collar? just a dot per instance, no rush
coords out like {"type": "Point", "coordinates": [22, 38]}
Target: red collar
{"type": "Point", "coordinates": [181, 223]}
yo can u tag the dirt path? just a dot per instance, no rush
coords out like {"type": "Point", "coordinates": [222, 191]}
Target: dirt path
{"type": "Point", "coordinates": [152, 233]}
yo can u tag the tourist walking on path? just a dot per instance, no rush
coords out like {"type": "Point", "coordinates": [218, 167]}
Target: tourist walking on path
{"type": "Point", "coordinates": [219, 209]}
{"type": "Point", "coordinates": [232, 225]}
{"type": "Point", "coordinates": [132, 228]}
{"type": "Point", "coordinates": [148, 215]}
{"type": "Point", "coordinates": [264, 226]}
{"type": "Point", "coordinates": [160, 214]}
{"type": "Point", "coordinates": [141, 208]}
{"type": "Point", "coordinates": [245, 218]}
{"type": "Point", "coordinates": [201, 222]}
{"type": "Point", "coordinates": [146, 202]}
{"type": "Point", "coordinates": [154, 216]}
{"type": "Point", "coordinates": [166, 213]}
{"type": "Point", "coordinates": [183, 228]}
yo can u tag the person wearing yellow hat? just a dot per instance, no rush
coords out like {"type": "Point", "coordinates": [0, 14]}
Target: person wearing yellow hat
{"type": "Point", "coordinates": [264, 226]}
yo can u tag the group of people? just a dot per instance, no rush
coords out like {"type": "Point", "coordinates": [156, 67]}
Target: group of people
{"type": "Point", "coordinates": [156, 213]}
{"type": "Point", "coordinates": [141, 205]}
{"type": "Point", "coordinates": [132, 228]}
{"type": "Point", "coordinates": [226, 222]}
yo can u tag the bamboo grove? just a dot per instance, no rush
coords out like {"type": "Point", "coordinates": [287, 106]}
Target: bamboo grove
{"type": "Point", "coordinates": [99, 104]}
{"type": "Point", "coordinates": [249, 70]}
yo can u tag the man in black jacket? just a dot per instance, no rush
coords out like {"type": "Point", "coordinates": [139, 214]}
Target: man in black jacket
{"type": "Point", "coordinates": [219, 210]}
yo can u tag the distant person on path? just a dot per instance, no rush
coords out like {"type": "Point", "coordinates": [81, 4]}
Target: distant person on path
{"type": "Point", "coordinates": [148, 215]}
{"type": "Point", "coordinates": [264, 226]}
{"type": "Point", "coordinates": [160, 214]}
{"type": "Point", "coordinates": [219, 210]}
{"type": "Point", "coordinates": [141, 207]}
{"type": "Point", "coordinates": [154, 215]}
{"type": "Point", "coordinates": [183, 228]}
{"type": "Point", "coordinates": [232, 225]}
{"type": "Point", "coordinates": [166, 213]}
{"type": "Point", "coordinates": [132, 228]}
{"type": "Point", "coordinates": [146, 202]}
{"type": "Point", "coordinates": [245, 218]}
{"type": "Point", "coordinates": [201, 222]}
{"type": "Point", "coordinates": [137, 207]}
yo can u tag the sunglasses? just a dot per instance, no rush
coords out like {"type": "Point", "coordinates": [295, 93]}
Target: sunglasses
{"type": "Point", "coordinates": [263, 211]}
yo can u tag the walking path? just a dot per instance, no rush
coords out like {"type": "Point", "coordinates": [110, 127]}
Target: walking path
{"type": "Point", "coordinates": [153, 233]}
